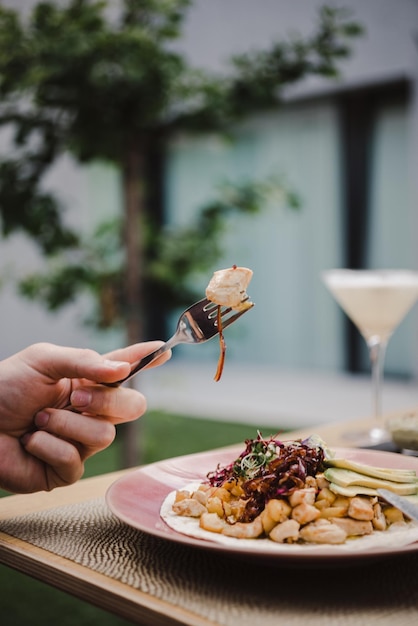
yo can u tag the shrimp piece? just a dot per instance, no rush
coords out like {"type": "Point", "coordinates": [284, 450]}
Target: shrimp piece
{"type": "Point", "coordinates": [244, 530]}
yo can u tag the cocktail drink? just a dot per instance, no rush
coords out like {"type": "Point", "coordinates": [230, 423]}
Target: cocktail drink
{"type": "Point", "coordinates": [376, 301]}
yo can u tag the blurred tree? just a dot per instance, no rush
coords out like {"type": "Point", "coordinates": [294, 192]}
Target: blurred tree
{"type": "Point", "coordinates": [109, 85]}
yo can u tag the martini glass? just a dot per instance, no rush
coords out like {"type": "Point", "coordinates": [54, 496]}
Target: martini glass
{"type": "Point", "coordinates": [376, 301]}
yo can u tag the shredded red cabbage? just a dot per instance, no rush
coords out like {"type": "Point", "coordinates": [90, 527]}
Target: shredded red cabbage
{"type": "Point", "coordinates": [268, 469]}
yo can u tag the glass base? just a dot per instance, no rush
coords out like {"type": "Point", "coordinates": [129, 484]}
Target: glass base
{"type": "Point", "coordinates": [368, 438]}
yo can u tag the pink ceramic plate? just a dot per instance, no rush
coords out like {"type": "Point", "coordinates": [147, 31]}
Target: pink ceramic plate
{"type": "Point", "coordinates": [136, 499]}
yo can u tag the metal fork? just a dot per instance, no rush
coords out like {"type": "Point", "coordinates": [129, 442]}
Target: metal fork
{"type": "Point", "coordinates": [197, 324]}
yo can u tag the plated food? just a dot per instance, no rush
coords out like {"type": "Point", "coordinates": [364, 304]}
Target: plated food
{"type": "Point", "coordinates": [292, 492]}
{"type": "Point", "coordinates": [228, 288]}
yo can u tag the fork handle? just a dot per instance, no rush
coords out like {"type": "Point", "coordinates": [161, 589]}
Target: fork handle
{"type": "Point", "coordinates": [146, 360]}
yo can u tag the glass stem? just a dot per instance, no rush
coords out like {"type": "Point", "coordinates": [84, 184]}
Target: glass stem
{"type": "Point", "coordinates": [377, 351]}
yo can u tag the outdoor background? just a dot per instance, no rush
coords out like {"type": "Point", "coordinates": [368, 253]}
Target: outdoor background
{"type": "Point", "coordinates": [349, 150]}
{"type": "Point", "coordinates": [296, 329]}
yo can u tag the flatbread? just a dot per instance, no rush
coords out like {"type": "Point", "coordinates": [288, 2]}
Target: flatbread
{"type": "Point", "coordinates": [397, 535]}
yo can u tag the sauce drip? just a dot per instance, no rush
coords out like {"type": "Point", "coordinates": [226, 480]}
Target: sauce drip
{"type": "Point", "coordinates": [222, 347]}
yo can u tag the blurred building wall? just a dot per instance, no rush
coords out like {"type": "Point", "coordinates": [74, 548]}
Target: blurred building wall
{"type": "Point", "coordinates": [296, 323]}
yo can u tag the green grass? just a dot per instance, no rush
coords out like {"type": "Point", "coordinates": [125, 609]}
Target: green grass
{"type": "Point", "coordinates": [27, 602]}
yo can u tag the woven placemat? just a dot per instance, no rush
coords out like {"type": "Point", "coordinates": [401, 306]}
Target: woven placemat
{"type": "Point", "coordinates": [222, 589]}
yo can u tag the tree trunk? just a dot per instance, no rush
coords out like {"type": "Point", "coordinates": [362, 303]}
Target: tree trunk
{"type": "Point", "coordinates": [133, 192]}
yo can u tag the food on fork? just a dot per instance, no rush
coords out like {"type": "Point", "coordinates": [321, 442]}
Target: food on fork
{"type": "Point", "coordinates": [228, 287]}
{"type": "Point", "coordinates": [290, 492]}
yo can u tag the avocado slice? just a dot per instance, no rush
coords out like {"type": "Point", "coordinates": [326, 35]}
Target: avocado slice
{"type": "Point", "coordinates": [350, 492]}
{"type": "Point", "coordinates": [395, 475]}
{"type": "Point", "coordinates": [350, 478]}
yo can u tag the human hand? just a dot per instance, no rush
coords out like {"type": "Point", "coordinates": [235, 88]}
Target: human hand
{"type": "Point", "coordinates": [43, 445]}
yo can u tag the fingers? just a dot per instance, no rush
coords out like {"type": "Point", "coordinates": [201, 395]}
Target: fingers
{"type": "Point", "coordinates": [62, 461]}
{"type": "Point", "coordinates": [90, 433]}
{"type": "Point", "coordinates": [118, 405]}
{"type": "Point", "coordinates": [93, 428]}
{"type": "Point", "coordinates": [65, 439]}
{"type": "Point", "coordinates": [137, 351]}
{"type": "Point", "coordinates": [57, 362]}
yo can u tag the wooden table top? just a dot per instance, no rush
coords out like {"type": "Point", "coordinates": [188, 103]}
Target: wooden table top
{"type": "Point", "coordinates": [90, 585]}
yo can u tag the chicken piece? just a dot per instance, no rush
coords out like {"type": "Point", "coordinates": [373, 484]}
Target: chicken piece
{"type": "Point", "coordinates": [379, 519]}
{"type": "Point", "coordinates": [182, 495]}
{"type": "Point", "coordinates": [393, 515]}
{"type": "Point", "coordinates": [212, 522]}
{"type": "Point", "coordinates": [200, 496]}
{"type": "Point", "coordinates": [267, 521]}
{"type": "Point", "coordinates": [275, 511]}
{"type": "Point", "coordinates": [322, 531]}
{"type": "Point", "coordinates": [244, 530]}
{"type": "Point", "coordinates": [189, 508]}
{"type": "Point", "coordinates": [237, 490]}
{"type": "Point", "coordinates": [321, 481]}
{"type": "Point", "coordinates": [237, 508]}
{"type": "Point", "coordinates": [229, 288]}
{"type": "Point", "coordinates": [205, 487]}
{"type": "Point", "coordinates": [311, 482]}
{"type": "Point", "coordinates": [325, 495]}
{"type": "Point", "coordinates": [223, 494]}
{"type": "Point", "coordinates": [278, 509]}
{"type": "Point", "coordinates": [333, 511]}
{"type": "Point", "coordinates": [302, 496]}
{"type": "Point", "coordinates": [215, 505]}
{"type": "Point", "coordinates": [234, 487]}
{"type": "Point", "coordinates": [342, 501]}
{"type": "Point", "coordinates": [285, 531]}
{"type": "Point", "coordinates": [353, 527]}
{"type": "Point", "coordinates": [321, 504]}
{"type": "Point", "coordinates": [360, 508]}
{"type": "Point", "coordinates": [305, 513]}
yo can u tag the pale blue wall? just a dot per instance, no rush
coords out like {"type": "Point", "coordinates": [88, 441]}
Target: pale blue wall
{"type": "Point", "coordinates": [294, 324]}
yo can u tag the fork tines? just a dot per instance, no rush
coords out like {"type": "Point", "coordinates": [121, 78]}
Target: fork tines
{"type": "Point", "coordinates": [212, 309]}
